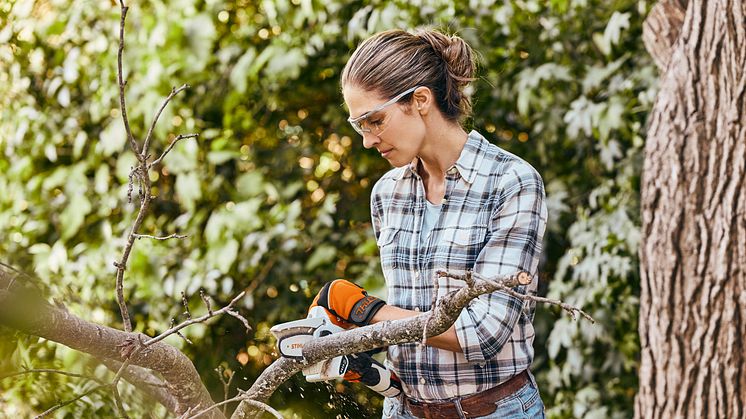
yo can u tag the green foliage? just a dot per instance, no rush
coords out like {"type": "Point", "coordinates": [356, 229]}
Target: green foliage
{"type": "Point", "coordinates": [274, 193]}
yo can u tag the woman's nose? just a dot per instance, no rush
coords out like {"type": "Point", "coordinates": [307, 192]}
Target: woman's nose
{"type": "Point", "coordinates": [370, 140]}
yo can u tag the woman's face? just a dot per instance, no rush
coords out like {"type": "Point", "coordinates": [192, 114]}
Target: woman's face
{"type": "Point", "coordinates": [401, 130]}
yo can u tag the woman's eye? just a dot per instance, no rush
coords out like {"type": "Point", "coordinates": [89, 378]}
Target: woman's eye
{"type": "Point", "coordinates": [377, 122]}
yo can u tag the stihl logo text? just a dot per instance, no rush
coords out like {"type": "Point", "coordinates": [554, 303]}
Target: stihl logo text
{"type": "Point", "coordinates": [366, 302]}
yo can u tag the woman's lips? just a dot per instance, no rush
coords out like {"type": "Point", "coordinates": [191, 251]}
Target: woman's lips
{"type": "Point", "coordinates": [385, 153]}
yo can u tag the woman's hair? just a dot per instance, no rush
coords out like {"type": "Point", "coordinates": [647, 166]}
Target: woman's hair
{"type": "Point", "coordinates": [393, 61]}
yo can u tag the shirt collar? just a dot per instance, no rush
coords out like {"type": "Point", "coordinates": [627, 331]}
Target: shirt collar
{"type": "Point", "coordinates": [467, 164]}
{"type": "Point", "coordinates": [470, 160]}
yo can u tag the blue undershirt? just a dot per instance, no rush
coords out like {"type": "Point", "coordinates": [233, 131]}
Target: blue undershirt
{"type": "Point", "coordinates": [432, 212]}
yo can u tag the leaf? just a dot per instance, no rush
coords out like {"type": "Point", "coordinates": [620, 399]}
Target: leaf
{"type": "Point", "coordinates": [222, 156]}
{"type": "Point", "coordinates": [617, 23]}
{"type": "Point", "coordinates": [101, 180]}
{"type": "Point", "coordinates": [183, 157]}
{"type": "Point", "coordinates": [323, 254]}
{"type": "Point", "coordinates": [57, 257]}
{"type": "Point", "coordinates": [250, 184]}
{"type": "Point", "coordinates": [125, 162]}
{"type": "Point", "coordinates": [223, 256]}
{"type": "Point", "coordinates": [112, 138]}
{"type": "Point", "coordinates": [595, 75]}
{"type": "Point", "coordinates": [73, 215]}
{"type": "Point", "coordinates": [286, 64]}
{"type": "Point", "coordinates": [240, 72]}
{"type": "Point", "coordinates": [188, 189]}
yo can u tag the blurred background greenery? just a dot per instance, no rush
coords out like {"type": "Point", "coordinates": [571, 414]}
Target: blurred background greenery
{"type": "Point", "coordinates": [274, 193]}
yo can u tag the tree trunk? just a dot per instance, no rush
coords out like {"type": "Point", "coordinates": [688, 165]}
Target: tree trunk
{"type": "Point", "coordinates": [693, 257]}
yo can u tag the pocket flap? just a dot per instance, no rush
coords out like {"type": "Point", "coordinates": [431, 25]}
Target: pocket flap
{"type": "Point", "coordinates": [386, 236]}
{"type": "Point", "coordinates": [457, 235]}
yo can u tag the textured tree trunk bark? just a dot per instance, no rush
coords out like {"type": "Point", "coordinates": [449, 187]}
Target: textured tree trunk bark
{"type": "Point", "coordinates": [693, 258]}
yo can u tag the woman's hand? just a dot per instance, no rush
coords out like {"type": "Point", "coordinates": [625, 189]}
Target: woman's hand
{"type": "Point", "coordinates": [347, 303]}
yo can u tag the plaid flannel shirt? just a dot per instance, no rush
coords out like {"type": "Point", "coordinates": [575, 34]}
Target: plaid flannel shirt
{"type": "Point", "coordinates": [492, 222]}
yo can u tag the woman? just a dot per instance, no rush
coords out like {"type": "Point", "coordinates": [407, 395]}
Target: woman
{"type": "Point", "coordinates": [453, 202]}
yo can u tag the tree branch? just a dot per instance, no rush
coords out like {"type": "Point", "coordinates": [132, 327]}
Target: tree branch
{"type": "Point", "coordinates": [121, 265]}
{"type": "Point", "coordinates": [394, 332]}
{"type": "Point", "coordinates": [241, 397]}
{"type": "Point", "coordinates": [122, 83]}
{"type": "Point", "coordinates": [46, 370]}
{"type": "Point", "coordinates": [174, 92]}
{"type": "Point", "coordinates": [201, 319]}
{"type": "Point", "coordinates": [170, 146]}
{"type": "Point", "coordinates": [170, 236]}
{"type": "Point", "coordinates": [65, 403]}
{"type": "Point", "coordinates": [24, 309]}
{"type": "Point", "coordinates": [140, 172]}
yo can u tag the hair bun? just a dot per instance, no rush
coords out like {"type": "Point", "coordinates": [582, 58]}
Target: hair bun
{"type": "Point", "coordinates": [454, 51]}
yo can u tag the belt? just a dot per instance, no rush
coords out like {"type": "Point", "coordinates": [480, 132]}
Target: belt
{"type": "Point", "coordinates": [473, 406]}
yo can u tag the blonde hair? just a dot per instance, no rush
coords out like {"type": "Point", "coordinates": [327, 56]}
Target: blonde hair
{"type": "Point", "coordinates": [393, 61]}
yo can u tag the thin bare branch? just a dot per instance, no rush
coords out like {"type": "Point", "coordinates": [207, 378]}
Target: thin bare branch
{"type": "Point", "coordinates": [567, 307]}
{"type": "Point", "coordinates": [45, 370]}
{"type": "Point", "coordinates": [170, 146]}
{"type": "Point", "coordinates": [241, 318]}
{"type": "Point", "coordinates": [65, 403]}
{"type": "Point", "coordinates": [186, 339]}
{"type": "Point", "coordinates": [140, 172]}
{"type": "Point", "coordinates": [171, 331]}
{"type": "Point", "coordinates": [226, 384]}
{"type": "Point", "coordinates": [170, 236]}
{"type": "Point", "coordinates": [522, 278]}
{"type": "Point", "coordinates": [122, 84]}
{"type": "Point", "coordinates": [118, 402]}
{"type": "Point", "coordinates": [241, 397]}
{"type": "Point", "coordinates": [174, 92]}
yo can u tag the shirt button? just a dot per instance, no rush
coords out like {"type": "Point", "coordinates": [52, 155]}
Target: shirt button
{"type": "Point", "coordinates": [452, 170]}
{"type": "Point", "coordinates": [417, 274]}
{"type": "Point", "coordinates": [422, 381]}
{"type": "Point", "coordinates": [416, 309]}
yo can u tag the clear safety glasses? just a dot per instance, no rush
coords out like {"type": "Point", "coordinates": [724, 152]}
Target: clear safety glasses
{"type": "Point", "coordinates": [362, 124]}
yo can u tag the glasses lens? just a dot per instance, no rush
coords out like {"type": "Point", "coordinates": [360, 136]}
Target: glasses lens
{"type": "Point", "coordinates": [362, 125]}
{"type": "Point", "coordinates": [356, 126]}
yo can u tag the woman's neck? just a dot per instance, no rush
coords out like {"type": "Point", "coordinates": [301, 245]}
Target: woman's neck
{"type": "Point", "coordinates": [443, 146]}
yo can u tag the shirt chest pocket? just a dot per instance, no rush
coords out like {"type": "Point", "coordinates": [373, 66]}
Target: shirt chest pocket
{"type": "Point", "coordinates": [390, 247]}
{"type": "Point", "coordinates": [459, 247]}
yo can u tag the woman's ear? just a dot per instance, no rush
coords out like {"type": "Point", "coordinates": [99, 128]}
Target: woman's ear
{"type": "Point", "coordinates": [423, 100]}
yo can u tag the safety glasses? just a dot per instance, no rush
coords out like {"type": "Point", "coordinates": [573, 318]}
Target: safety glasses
{"type": "Point", "coordinates": [362, 125]}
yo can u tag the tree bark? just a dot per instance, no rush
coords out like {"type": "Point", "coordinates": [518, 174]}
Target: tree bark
{"type": "Point", "coordinates": [693, 258]}
{"type": "Point", "coordinates": [661, 30]}
{"type": "Point", "coordinates": [23, 308]}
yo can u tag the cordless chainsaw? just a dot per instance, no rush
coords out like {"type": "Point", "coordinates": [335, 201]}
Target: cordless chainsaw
{"type": "Point", "coordinates": [292, 336]}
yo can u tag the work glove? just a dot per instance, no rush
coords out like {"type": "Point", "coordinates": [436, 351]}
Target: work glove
{"type": "Point", "coordinates": [362, 368]}
{"type": "Point", "coordinates": [347, 304]}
